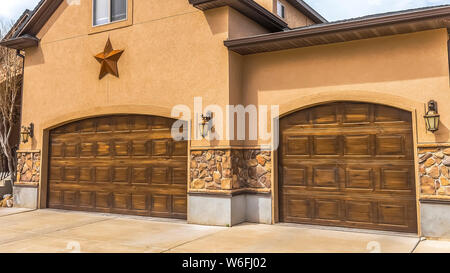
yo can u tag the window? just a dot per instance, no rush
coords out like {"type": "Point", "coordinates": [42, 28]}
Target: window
{"type": "Point", "coordinates": [281, 10]}
{"type": "Point", "coordinates": [109, 11]}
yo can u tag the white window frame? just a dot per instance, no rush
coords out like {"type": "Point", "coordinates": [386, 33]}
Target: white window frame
{"type": "Point", "coordinates": [110, 15]}
{"type": "Point", "coordinates": [281, 9]}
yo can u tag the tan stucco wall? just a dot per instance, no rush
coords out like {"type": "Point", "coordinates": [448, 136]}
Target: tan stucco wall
{"type": "Point", "coordinates": [173, 52]}
{"type": "Point", "coordinates": [404, 71]}
{"type": "Point", "coordinates": [293, 17]}
{"type": "Point", "coordinates": [241, 26]}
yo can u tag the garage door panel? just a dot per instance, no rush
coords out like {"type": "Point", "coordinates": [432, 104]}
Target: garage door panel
{"type": "Point", "coordinates": [326, 145]}
{"type": "Point", "coordinates": [160, 147]}
{"type": "Point", "coordinates": [393, 214]}
{"type": "Point", "coordinates": [120, 174]}
{"type": "Point", "coordinates": [140, 175]}
{"type": "Point", "coordinates": [102, 174]}
{"type": "Point", "coordinates": [140, 148]}
{"type": "Point", "coordinates": [324, 114]}
{"type": "Point", "coordinates": [297, 145]}
{"type": "Point", "coordinates": [325, 177]}
{"type": "Point", "coordinates": [295, 175]}
{"type": "Point", "coordinates": [387, 145]}
{"type": "Point", "coordinates": [298, 208]}
{"type": "Point", "coordinates": [398, 179]}
{"type": "Point", "coordinates": [70, 174]}
{"type": "Point", "coordinates": [120, 200]}
{"type": "Point", "coordinates": [327, 210]}
{"type": "Point", "coordinates": [356, 113]}
{"type": "Point", "coordinates": [360, 179]}
{"type": "Point", "coordinates": [348, 164]}
{"type": "Point", "coordinates": [86, 174]}
{"type": "Point", "coordinates": [139, 202]}
{"type": "Point", "coordinates": [84, 126]}
{"type": "Point", "coordinates": [55, 197]}
{"type": "Point", "coordinates": [359, 212]}
{"type": "Point", "coordinates": [179, 175]}
{"type": "Point", "coordinates": [87, 199]}
{"type": "Point", "coordinates": [179, 203]}
{"type": "Point", "coordinates": [102, 200]}
{"type": "Point", "coordinates": [388, 114]}
{"type": "Point", "coordinates": [357, 145]}
{"type": "Point", "coordinates": [179, 148]}
{"type": "Point", "coordinates": [70, 150]}
{"type": "Point", "coordinates": [70, 198]}
{"type": "Point", "coordinates": [121, 164]}
{"type": "Point", "coordinates": [160, 203]}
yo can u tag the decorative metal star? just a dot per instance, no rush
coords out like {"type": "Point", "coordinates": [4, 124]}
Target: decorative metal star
{"type": "Point", "coordinates": [108, 59]}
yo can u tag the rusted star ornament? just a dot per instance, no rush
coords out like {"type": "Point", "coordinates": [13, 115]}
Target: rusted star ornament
{"type": "Point", "coordinates": [108, 59]}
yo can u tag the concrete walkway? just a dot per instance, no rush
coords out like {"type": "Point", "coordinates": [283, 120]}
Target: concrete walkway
{"type": "Point", "coordinates": [57, 231]}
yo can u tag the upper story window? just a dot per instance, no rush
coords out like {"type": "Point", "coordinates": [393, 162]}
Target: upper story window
{"type": "Point", "coordinates": [281, 10]}
{"type": "Point", "coordinates": [109, 11]}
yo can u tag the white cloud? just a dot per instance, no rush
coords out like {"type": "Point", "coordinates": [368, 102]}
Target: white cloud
{"type": "Point", "coordinates": [12, 9]}
{"type": "Point", "coordinates": [334, 10]}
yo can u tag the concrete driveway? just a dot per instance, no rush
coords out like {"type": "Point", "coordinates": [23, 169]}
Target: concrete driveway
{"type": "Point", "coordinates": [54, 231]}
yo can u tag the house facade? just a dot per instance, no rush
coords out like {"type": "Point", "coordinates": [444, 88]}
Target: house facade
{"type": "Point", "coordinates": [106, 81]}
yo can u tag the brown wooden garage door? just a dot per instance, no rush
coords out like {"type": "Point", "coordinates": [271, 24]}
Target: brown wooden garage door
{"type": "Point", "coordinates": [119, 164]}
{"type": "Point", "coordinates": [348, 164]}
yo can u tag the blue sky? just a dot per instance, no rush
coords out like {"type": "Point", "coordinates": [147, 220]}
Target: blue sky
{"type": "Point", "coordinates": [332, 10]}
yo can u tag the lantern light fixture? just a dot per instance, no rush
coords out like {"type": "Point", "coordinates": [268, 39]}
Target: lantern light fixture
{"type": "Point", "coordinates": [204, 125]}
{"type": "Point", "coordinates": [432, 117]}
{"type": "Point", "coordinates": [27, 132]}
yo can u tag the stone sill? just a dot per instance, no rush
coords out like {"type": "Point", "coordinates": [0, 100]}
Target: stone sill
{"type": "Point", "coordinates": [433, 145]}
{"type": "Point", "coordinates": [433, 199]}
{"type": "Point", "coordinates": [27, 184]}
{"type": "Point", "coordinates": [28, 151]}
{"type": "Point", "coordinates": [262, 147]}
{"type": "Point", "coordinates": [231, 192]}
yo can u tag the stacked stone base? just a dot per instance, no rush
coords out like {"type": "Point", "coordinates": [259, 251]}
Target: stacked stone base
{"type": "Point", "coordinates": [26, 186]}
{"type": "Point", "coordinates": [234, 182]}
{"type": "Point", "coordinates": [434, 173]}
{"type": "Point", "coordinates": [231, 169]}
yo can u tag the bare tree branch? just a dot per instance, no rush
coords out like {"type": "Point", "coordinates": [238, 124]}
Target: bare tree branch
{"type": "Point", "coordinates": [10, 88]}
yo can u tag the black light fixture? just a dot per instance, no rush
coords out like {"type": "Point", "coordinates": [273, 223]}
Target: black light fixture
{"type": "Point", "coordinates": [204, 125]}
{"type": "Point", "coordinates": [27, 132]}
{"type": "Point", "coordinates": [432, 117]}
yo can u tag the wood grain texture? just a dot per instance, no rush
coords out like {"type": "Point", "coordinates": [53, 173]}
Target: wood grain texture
{"type": "Point", "coordinates": [125, 164]}
{"type": "Point", "coordinates": [350, 165]}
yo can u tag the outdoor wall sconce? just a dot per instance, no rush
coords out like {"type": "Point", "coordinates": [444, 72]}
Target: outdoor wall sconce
{"type": "Point", "coordinates": [27, 132]}
{"type": "Point", "coordinates": [204, 125]}
{"type": "Point", "coordinates": [432, 117]}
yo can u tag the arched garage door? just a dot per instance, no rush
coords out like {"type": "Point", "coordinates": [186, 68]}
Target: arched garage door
{"type": "Point", "coordinates": [125, 164]}
{"type": "Point", "coordinates": [350, 165]}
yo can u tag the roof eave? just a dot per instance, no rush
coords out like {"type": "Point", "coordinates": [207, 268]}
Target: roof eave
{"type": "Point", "coordinates": [25, 36]}
{"type": "Point", "coordinates": [249, 8]}
{"type": "Point", "coordinates": [22, 42]}
{"type": "Point", "coordinates": [258, 44]}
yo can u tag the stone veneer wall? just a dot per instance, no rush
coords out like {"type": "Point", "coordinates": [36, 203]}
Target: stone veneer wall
{"type": "Point", "coordinates": [231, 169]}
{"type": "Point", "coordinates": [434, 164]}
{"type": "Point", "coordinates": [28, 167]}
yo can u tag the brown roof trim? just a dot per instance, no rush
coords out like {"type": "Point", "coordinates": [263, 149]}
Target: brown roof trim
{"type": "Point", "coordinates": [355, 29]}
{"type": "Point", "coordinates": [40, 16]}
{"type": "Point", "coordinates": [24, 41]}
{"type": "Point", "coordinates": [308, 11]}
{"type": "Point", "coordinates": [249, 8]}
{"type": "Point", "coordinates": [18, 24]}
{"type": "Point", "coordinates": [24, 36]}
